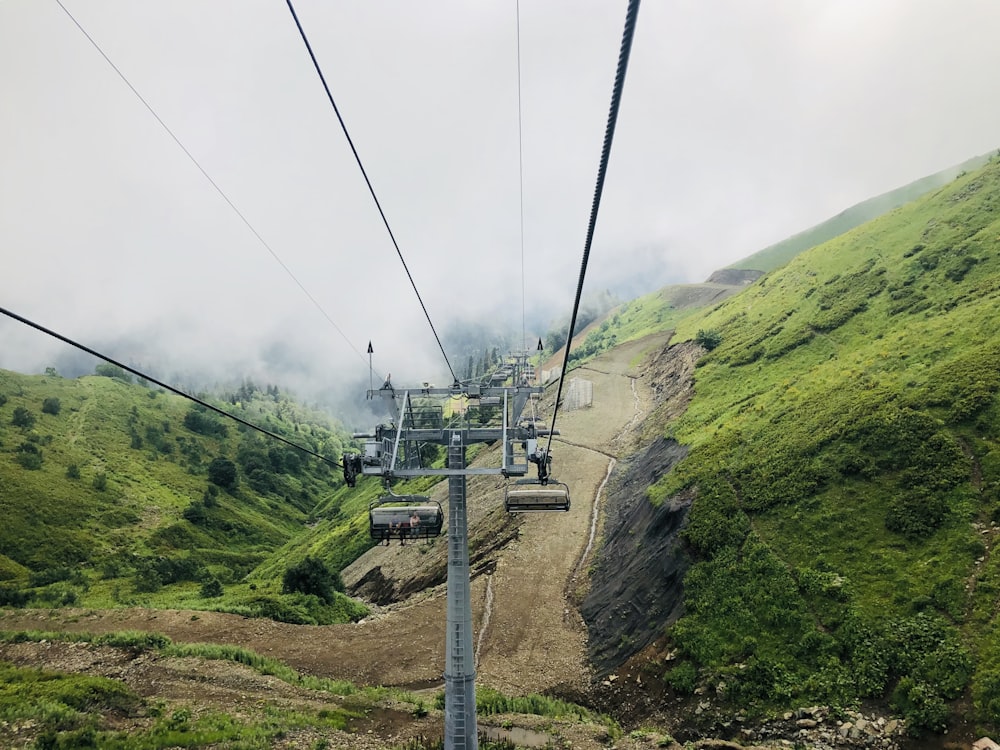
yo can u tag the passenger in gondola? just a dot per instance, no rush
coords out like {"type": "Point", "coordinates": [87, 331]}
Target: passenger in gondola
{"type": "Point", "coordinates": [414, 525]}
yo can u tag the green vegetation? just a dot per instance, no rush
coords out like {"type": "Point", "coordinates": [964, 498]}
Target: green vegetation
{"type": "Point", "coordinates": [71, 710]}
{"type": "Point", "coordinates": [845, 453]}
{"type": "Point", "coordinates": [151, 501]}
{"type": "Point", "coordinates": [777, 255]}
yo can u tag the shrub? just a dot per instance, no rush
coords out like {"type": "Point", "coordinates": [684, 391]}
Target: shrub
{"type": "Point", "coordinates": [147, 580]}
{"type": "Point", "coordinates": [10, 597]}
{"type": "Point", "coordinates": [51, 406]}
{"type": "Point", "coordinates": [199, 420]}
{"type": "Point", "coordinates": [23, 418]}
{"type": "Point", "coordinates": [920, 705]}
{"type": "Point", "coordinates": [916, 514]}
{"type": "Point", "coordinates": [708, 339]}
{"type": "Point", "coordinates": [196, 513]}
{"type": "Point", "coordinates": [72, 471]}
{"type": "Point", "coordinates": [100, 481]}
{"type": "Point", "coordinates": [29, 456]}
{"type": "Point", "coordinates": [222, 472]}
{"type": "Point", "coordinates": [211, 589]}
{"type": "Point", "coordinates": [683, 678]}
{"type": "Point", "coordinates": [311, 576]}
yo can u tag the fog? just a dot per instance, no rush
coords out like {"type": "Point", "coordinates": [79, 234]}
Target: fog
{"type": "Point", "coordinates": [741, 124]}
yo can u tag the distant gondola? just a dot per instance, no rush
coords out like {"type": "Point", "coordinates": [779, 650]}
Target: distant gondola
{"type": "Point", "coordinates": [404, 517]}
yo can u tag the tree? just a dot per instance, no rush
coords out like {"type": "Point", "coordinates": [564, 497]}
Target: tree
{"type": "Point", "coordinates": [311, 576]}
{"type": "Point", "coordinates": [51, 372]}
{"type": "Point", "coordinates": [51, 406]}
{"type": "Point", "coordinates": [23, 418]}
{"type": "Point", "coordinates": [222, 472]}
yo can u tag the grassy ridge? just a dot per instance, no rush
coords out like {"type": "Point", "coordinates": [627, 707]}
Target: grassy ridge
{"type": "Point", "coordinates": [778, 254]}
{"type": "Point", "coordinates": [114, 493]}
{"type": "Point", "coordinates": [845, 439]}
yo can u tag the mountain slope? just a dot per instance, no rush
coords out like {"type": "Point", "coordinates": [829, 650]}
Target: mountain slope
{"type": "Point", "coordinates": [844, 444]}
{"type": "Point", "coordinates": [778, 254]}
{"type": "Point", "coordinates": [116, 493]}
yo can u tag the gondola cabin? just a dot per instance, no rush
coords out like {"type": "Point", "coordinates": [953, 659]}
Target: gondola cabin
{"type": "Point", "coordinates": [415, 518]}
{"type": "Point", "coordinates": [526, 498]}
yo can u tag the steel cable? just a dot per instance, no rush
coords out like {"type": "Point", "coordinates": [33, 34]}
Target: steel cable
{"type": "Point", "coordinates": [630, 19]}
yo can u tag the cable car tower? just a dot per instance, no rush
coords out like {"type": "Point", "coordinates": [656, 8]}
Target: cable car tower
{"type": "Point", "coordinates": [494, 413]}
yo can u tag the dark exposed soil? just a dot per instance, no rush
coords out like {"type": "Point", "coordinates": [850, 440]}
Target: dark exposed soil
{"type": "Point", "coordinates": [636, 586]}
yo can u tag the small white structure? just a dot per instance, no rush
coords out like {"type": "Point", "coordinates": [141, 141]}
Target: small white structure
{"type": "Point", "coordinates": [579, 394]}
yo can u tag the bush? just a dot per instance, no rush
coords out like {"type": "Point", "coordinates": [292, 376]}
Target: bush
{"type": "Point", "coordinates": [683, 678]}
{"type": "Point", "coordinates": [916, 514]}
{"type": "Point", "coordinates": [29, 456]}
{"type": "Point", "coordinates": [708, 339]}
{"type": "Point", "coordinates": [311, 576]}
{"type": "Point", "coordinates": [222, 472]}
{"type": "Point", "coordinates": [920, 705]}
{"type": "Point", "coordinates": [51, 406]}
{"type": "Point", "coordinates": [100, 481]}
{"type": "Point", "coordinates": [13, 597]}
{"type": "Point", "coordinates": [23, 418]}
{"type": "Point", "coordinates": [196, 513]}
{"type": "Point", "coordinates": [72, 471]}
{"type": "Point", "coordinates": [211, 589]}
{"type": "Point", "coordinates": [199, 420]}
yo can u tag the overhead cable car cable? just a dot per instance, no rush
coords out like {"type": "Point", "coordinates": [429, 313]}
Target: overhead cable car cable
{"type": "Point", "coordinates": [520, 168]}
{"type": "Point", "coordinates": [208, 177]}
{"type": "Point", "coordinates": [172, 389]}
{"type": "Point", "coordinates": [368, 182]}
{"type": "Point", "coordinates": [616, 96]}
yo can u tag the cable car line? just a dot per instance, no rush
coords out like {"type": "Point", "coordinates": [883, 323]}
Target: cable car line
{"type": "Point", "coordinates": [208, 177]}
{"type": "Point", "coordinates": [167, 387]}
{"type": "Point", "coordinates": [520, 167]}
{"type": "Point", "coordinates": [368, 182]}
{"type": "Point", "coordinates": [616, 95]}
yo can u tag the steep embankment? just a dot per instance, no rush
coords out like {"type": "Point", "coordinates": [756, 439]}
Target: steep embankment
{"type": "Point", "coordinates": [635, 585]}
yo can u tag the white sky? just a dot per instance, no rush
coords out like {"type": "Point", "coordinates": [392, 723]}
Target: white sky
{"type": "Point", "coordinates": [742, 123]}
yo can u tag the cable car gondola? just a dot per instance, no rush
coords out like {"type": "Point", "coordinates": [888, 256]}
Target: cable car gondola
{"type": "Point", "coordinates": [529, 495]}
{"type": "Point", "coordinates": [404, 517]}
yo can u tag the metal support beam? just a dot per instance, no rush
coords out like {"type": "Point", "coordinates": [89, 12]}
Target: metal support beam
{"type": "Point", "coordinates": [460, 668]}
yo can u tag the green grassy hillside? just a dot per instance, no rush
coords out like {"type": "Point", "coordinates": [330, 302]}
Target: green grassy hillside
{"type": "Point", "coordinates": [778, 254]}
{"type": "Point", "coordinates": [845, 453]}
{"type": "Point", "coordinates": [114, 493]}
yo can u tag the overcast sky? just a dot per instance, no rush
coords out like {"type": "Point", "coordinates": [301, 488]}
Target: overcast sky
{"type": "Point", "coordinates": [743, 122]}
